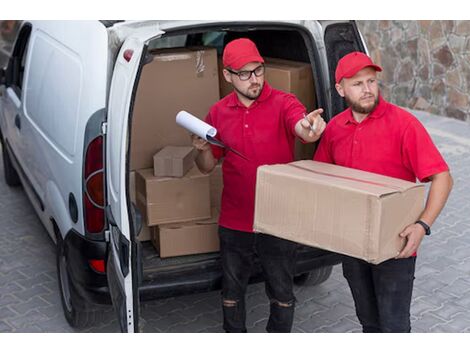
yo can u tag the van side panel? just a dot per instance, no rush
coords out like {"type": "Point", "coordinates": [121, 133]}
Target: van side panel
{"type": "Point", "coordinates": [66, 81]}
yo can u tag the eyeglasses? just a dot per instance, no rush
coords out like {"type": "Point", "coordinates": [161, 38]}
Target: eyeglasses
{"type": "Point", "coordinates": [246, 75]}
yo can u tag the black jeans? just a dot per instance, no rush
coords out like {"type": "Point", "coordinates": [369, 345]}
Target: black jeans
{"type": "Point", "coordinates": [382, 293]}
{"type": "Point", "coordinates": [277, 258]}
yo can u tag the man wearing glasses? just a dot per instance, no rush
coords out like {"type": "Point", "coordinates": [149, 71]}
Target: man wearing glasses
{"type": "Point", "coordinates": [261, 123]}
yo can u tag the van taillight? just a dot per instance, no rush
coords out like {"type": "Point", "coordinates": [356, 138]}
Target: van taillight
{"type": "Point", "coordinates": [128, 54]}
{"type": "Point", "coordinates": [93, 195]}
{"type": "Point", "coordinates": [97, 265]}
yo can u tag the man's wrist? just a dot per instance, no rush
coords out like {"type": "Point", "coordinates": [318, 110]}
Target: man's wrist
{"type": "Point", "coordinates": [426, 227]}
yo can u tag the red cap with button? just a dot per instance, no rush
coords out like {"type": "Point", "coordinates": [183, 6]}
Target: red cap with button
{"type": "Point", "coordinates": [352, 63]}
{"type": "Point", "coordinates": [240, 52]}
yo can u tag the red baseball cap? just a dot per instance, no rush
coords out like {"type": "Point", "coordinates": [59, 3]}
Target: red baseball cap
{"type": "Point", "coordinates": [240, 52]}
{"type": "Point", "coordinates": [352, 63]}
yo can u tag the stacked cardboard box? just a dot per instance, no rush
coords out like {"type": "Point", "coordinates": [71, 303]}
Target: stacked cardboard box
{"type": "Point", "coordinates": [175, 203]}
{"type": "Point", "coordinates": [173, 161]}
{"type": "Point", "coordinates": [344, 210]}
{"type": "Point", "coordinates": [186, 238]}
{"type": "Point", "coordinates": [166, 200]}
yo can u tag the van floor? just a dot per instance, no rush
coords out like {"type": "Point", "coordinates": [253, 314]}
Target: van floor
{"type": "Point", "coordinates": [153, 265]}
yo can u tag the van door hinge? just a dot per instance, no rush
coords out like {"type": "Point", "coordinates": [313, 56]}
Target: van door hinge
{"type": "Point", "coordinates": [104, 128]}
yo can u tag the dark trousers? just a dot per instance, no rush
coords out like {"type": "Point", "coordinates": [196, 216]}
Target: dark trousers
{"type": "Point", "coordinates": [277, 257]}
{"type": "Point", "coordinates": [382, 293]}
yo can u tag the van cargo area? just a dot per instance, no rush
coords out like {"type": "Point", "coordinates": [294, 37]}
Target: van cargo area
{"type": "Point", "coordinates": [183, 71]}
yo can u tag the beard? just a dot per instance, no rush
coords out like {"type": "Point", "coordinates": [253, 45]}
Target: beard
{"type": "Point", "coordinates": [357, 107]}
{"type": "Point", "coordinates": [252, 92]}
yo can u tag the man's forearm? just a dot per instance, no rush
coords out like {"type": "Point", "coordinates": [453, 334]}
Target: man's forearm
{"type": "Point", "coordinates": [205, 161]}
{"type": "Point", "coordinates": [441, 184]}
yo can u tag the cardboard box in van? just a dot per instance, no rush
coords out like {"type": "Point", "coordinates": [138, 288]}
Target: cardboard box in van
{"type": "Point", "coordinates": [348, 211]}
{"type": "Point", "coordinates": [294, 77]}
{"type": "Point", "coordinates": [175, 80]}
{"type": "Point", "coordinates": [197, 237]}
{"type": "Point", "coordinates": [173, 161]}
{"type": "Point", "coordinates": [165, 200]}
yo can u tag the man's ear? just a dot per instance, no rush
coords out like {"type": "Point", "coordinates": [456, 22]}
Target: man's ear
{"type": "Point", "coordinates": [339, 89]}
{"type": "Point", "coordinates": [227, 76]}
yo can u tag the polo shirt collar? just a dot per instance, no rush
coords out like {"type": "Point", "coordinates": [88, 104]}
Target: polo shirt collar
{"type": "Point", "coordinates": [378, 112]}
{"type": "Point", "coordinates": [265, 94]}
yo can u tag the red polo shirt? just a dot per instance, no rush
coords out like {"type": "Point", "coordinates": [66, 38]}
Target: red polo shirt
{"type": "Point", "coordinates": [265, 134]}
{"type": "Point", "coordinates": [389, 141]}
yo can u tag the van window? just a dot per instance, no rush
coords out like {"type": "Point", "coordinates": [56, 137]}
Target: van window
{"type": "Point", "coordinates": [54, 85]}
{"type": "Point", "coordinates": [16, 67]}
{"type": "Point", "coordinates": [8, 32]}
{"type": "Point", "coordinates": [168, 42]}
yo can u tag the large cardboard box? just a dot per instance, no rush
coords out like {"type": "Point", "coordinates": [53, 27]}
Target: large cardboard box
{"type": "Point", "coordinates": [175, 80]}
{"type": "Point", "coordinates": [186, 238]}
{"type": "Point", "coordinates": [344, 210]}
{"type": "Point", "coordinates": [173, 161]}
{"type": "Point", "coordinates": [293, 77]}
{"type": "Point", "coordinates": [165, 200]}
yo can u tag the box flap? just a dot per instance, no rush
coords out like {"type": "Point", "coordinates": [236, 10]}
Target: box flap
{"type": "Point", "coordinates": [366, 182]}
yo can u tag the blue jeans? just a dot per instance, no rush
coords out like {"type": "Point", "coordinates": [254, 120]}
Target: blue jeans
{"type": "Point", "coordinates": [382, 293]}
{"type": "Point", "coordinates": [277, 258]}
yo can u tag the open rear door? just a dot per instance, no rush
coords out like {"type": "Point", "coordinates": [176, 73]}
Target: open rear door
{"type": "Point", "coordinates": [121, 264]}
{"type": "Point", "coordinates": [341, 38]}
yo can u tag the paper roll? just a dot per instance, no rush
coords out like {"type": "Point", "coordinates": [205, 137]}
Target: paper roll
{"type": "Point", "coordinates": [195, 125]}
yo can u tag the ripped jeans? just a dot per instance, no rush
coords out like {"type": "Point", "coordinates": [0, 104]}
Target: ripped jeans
{"type": "Point", "coordinates": [277, 257]}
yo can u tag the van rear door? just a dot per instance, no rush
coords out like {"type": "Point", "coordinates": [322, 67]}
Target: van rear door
{"type": "Point", "coordinates": [341, 38]}
{"type": "Point", "coordinates": [122, 267]}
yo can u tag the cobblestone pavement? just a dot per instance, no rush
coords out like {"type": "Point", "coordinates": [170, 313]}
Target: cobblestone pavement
{"type": "Point", "coordinates": [30, 302]}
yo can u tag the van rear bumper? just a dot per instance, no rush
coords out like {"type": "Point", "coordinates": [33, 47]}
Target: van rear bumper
{"type": "Point", "coordinates": [204, 277]}
{"type": "Point", "coordinates": [180, 282]}
{"type": "Point", "coordinates": [90, 285]}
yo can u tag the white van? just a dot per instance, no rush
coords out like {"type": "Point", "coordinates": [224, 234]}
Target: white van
{"type": "Point", "coordinates": [67, 127]}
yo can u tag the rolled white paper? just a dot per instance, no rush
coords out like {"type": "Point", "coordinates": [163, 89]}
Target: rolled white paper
{"type": "Point", "coordinates": [195, 125]}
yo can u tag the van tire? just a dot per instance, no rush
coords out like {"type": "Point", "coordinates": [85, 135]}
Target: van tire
{"type": "Point", "coordinates": [314, 277]}
{"type": "Point", "coordinates": [11, 176]}
{"type": "Point", "coordinates": [77, 313]}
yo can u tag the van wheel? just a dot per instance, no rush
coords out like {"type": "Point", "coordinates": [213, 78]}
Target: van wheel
{"type": "Point", "coordinates": [11, 176]}
{"type": "Point", "coordinates": [314, 277]}
{"type": "Point", "coordinates": [77, 313]}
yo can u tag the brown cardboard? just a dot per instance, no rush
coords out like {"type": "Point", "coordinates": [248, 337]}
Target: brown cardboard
{"type": "Point", "coordinates": [344, 210]}
{"type": "Point", "coordinates": [296, 78]}
{"type": "Point", "coordinates": [293, 77]}
{"type": "Point", "coordinates": [175, 80]}
{"type": "Point", "coordinates": [173, 161]}
{"type": "Point", "coordinates": [168, 199]}
{"type": "Point", "coordinates": [186, 238]}
{"type": "Point", "coordinates": [216, 186]}
{"type": "Point", "coordinates": [289, 76]}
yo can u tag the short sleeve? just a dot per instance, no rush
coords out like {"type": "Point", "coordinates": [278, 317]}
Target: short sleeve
{"type": "Point", "coordinates": [323, 153]}
{"type": "Point", "coordinates": [420, 154]}
{"type": "Point", "coordinates": [293, 112]}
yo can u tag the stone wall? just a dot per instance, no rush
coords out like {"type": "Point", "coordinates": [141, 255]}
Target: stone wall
{"type": "Point", "coordinates": [426, 63]}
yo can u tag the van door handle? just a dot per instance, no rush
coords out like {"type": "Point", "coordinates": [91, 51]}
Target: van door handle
{"type": "Point", "coordinates": [18, 122]}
